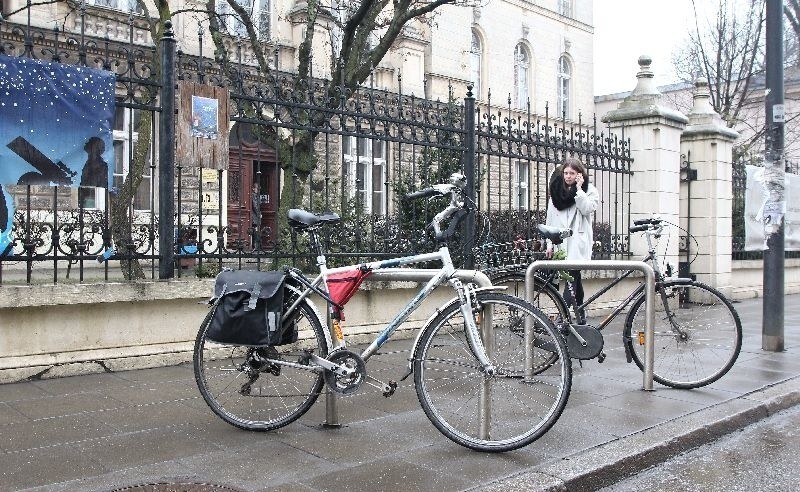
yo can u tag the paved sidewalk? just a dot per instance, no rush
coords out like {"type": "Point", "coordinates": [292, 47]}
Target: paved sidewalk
{"type": "Point", "coordinates": [122, 430]}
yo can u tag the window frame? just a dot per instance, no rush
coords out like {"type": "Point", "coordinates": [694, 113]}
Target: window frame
{"type": "Point", "coordinates": [124, 138]}
{"type": "Point", "coordinates": [564, 87]}
{"type": "Point", "coordinates": [476, 62]}
{"type": "Point", "coordinates": [131, 5]}
{"type": "Point", "coordinates": [522, 65]}
{"type": "Point", "coordinates": [261, 13]}
{"type": "Point", "coordinates": [360, 160]}
{"type": "Point", "coordinates": [566, 8]}
{"type": "Point", "coordinates": [522, 176]}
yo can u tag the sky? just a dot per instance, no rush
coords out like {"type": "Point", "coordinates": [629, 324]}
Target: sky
{"type": "Point", "coordinates": [626, 29]}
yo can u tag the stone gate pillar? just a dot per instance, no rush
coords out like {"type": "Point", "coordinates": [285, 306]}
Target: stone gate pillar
{"type": "Point", "coordinates": [654, 131]}
{"type": "Point", "coordinates": [706, 191]}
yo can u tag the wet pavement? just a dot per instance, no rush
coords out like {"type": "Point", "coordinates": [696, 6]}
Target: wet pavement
{"type": "Point", "coordinates": [150, 428]}
{"type": "Point", "coordinates": [764, 456]}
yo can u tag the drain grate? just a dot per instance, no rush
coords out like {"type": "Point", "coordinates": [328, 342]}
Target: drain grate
{"type": "Point", "coordinates": [178, 487]}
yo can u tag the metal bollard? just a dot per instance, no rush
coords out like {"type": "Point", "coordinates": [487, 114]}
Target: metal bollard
{"type": "Point", "coordinates": [649, 293]}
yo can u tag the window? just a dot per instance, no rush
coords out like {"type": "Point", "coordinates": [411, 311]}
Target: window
{"type": "Point", "coordinates": [564, 81]}
{"type": "Point", "coordinates": [125, 137]}
{"type": "Point", "coordinates": [565, 8]}
{"type": "Point", "coordinates": [125, 5]}
{"type": "Point", "coordinates": [365, 172]}
{"type": "Point", "coordinates": [521, 180]}
{"type": "Point", "coordinates": [521, 71]}
{"type": "Point", "coordinates": [476, 57]}
{"type": "Point", "coordinates": [260, 13]}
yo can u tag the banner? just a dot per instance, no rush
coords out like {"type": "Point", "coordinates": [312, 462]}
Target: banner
{"type": "Point", "coordinates": [56, 124]}
{"type": "Point", "coordinates": [754, 200]}
{"type": "Point", "coordinates": [6, 221]}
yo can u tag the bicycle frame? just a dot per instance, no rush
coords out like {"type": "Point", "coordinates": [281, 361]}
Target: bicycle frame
{"type": "Point", "coordinates": [659, 278]}
{"type": "Point", "coordinates": [386, 268]}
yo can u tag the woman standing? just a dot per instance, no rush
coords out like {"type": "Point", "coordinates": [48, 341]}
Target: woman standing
{"type": "Point", "coordinates": [572, 202]}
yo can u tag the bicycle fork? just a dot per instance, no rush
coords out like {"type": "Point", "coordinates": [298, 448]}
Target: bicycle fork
{"type": "Point", "coordinates": [473, 314]}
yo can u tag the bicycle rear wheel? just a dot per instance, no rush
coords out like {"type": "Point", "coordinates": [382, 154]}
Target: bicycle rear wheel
{"type": "Point", "coordinates": [249, 388]}
{"type": "Point", "coordinates": [499, 412]}
{"type": "Point", "coordinates": [698, 335]}
{"type": "Point", "coordinates": [546, 298]}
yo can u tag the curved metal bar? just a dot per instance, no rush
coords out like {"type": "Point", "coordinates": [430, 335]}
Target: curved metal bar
{"type": "Point", "coordinates": [649, 293]}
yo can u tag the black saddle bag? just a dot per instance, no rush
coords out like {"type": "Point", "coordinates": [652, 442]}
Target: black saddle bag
{"type": "Point", "coordinates": [248, 306]}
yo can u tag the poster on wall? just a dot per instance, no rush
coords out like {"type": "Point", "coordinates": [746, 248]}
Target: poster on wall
{"type": "Point", "coordinates": [754, 201]}
{"type": "Point", "coordinates": [205, 117]}
{"type": "Point", "coordinates": [55, 124]}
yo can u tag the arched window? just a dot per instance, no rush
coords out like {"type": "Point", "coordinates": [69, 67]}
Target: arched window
{"type": "Point", "coordinates": [564, 87]}
{"type": "Point", "coordinates": [521, 76]}
{"type": "Point", "coordinates": [476, 58]}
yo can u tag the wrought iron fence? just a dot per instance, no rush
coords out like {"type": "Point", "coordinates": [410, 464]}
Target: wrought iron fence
{"type": "Point", "coordinates": [355, 152]}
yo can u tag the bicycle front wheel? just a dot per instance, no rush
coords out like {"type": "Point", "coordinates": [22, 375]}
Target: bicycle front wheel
{"type": "Point", "coordinates": [698, 334]}
{"type": "Point", "coordinates": [508, 409]}
{"type": "Point", "coordinates": [249, 387]}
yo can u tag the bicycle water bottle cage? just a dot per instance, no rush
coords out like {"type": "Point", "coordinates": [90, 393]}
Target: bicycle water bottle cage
{"type": "Point", "coordinates": [300, 219]}
{"type": "Point", "coordinates": [554, 234]}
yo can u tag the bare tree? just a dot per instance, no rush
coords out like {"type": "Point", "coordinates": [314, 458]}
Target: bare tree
{"type": "Point", "coordinates": [791, 10]}
{"type": "Point", "coordinates": [727, 48]}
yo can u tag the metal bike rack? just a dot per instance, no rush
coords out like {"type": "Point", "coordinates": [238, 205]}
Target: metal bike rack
{"type": "Point", "coordinates": [649, 299]}
{"type": "Point", "coordinates": [423, 275]}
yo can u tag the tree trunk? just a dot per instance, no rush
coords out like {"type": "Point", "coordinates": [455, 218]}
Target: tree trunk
{"type": "Point", "coordinates": [121, 210]}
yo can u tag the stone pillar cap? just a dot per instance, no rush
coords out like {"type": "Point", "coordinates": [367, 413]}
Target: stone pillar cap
{"type": "Point", "coordinates": [703, 119]}
{"type": "Point", "coordinates": [645, 100]}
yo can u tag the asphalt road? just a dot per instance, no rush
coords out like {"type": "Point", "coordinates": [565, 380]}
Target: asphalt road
{"type": "Point", "coordinates": [763, 456]}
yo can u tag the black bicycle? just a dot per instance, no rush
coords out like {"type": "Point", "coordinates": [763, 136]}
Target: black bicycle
{"type": "Point", "coordinates": [698, 334]}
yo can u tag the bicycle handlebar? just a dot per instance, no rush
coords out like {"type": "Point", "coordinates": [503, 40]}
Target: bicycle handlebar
{"type": "Point", "coordinates": [640, 228]}
{"type": "Point", "coordinates": [454, 212]}
{"type": "Point", "coordinates": [425, 193]}
{"type": "Point", "coordinates": [649, 220]}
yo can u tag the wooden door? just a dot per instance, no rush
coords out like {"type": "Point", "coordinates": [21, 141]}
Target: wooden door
{"type": "Point", "coordinates": [251, 167]}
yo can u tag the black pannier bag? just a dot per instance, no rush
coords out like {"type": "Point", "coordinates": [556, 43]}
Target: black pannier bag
{"type": "Point", "coordinates": [247, 309]}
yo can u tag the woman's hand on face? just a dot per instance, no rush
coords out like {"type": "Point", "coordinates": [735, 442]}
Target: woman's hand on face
{"type": "Point", "coordinates": [579, 180]}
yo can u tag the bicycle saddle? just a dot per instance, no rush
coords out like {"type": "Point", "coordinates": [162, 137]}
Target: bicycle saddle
{"type": "Point", "coordinates": [554, 234]}
{"type": "Point", "coordinates": [303, 219]}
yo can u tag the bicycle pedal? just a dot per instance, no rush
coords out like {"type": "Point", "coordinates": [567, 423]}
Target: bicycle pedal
{"type": "Point", "coordinates": [601, 357]}
{"type": "Point", "coordinates": [392, 386]}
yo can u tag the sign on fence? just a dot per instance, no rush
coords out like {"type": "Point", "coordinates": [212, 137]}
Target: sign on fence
{"type": "Point", "coordinates": [202, 126]}
{"type": "Point", "coordinates": [755, 208]}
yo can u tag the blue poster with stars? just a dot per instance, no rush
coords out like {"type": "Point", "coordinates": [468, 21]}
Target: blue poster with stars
{"type": "Point", "coordinates": [56, 124]}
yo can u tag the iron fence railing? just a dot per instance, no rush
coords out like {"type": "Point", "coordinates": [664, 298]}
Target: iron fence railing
{"type": "Point", "coordinates": [364, 148]}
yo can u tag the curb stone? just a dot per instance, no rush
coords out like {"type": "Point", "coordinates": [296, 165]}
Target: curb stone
{"type": "Point", "coordinates": [611, 462]}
